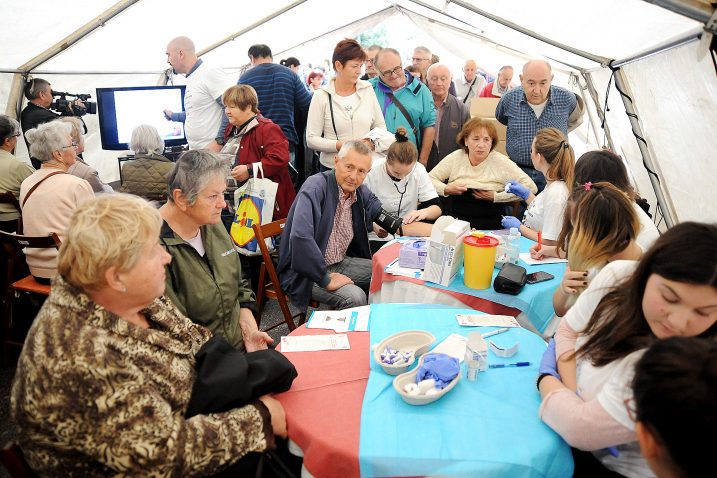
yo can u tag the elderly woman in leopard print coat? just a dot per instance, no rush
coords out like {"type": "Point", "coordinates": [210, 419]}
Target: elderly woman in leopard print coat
{"type": "Point", "coordinates": [106, 375]}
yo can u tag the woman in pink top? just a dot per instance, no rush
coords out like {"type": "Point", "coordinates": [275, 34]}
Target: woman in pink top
{"type": "Point", "coordinates": [49, 196]}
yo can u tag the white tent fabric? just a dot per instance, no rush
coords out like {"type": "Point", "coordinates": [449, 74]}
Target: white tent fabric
{"type": "Point", "coordinates": [674, 91]}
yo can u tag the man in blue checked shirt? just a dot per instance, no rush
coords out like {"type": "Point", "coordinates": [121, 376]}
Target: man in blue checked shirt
{"type": "Point", "coordinates": [534, 105]}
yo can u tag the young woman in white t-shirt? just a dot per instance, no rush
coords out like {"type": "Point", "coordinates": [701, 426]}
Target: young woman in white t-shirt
{"type": "Point", "coordinates": [600, 226]}
{"type": "Point", "coordinates": [553, 156]}
{"type": "Point", "coordinates": [671, 291]}
{"type": "Point", "coordinates": [401, 183]}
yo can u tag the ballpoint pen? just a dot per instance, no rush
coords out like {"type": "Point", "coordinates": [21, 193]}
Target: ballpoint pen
{"type": "Point", "coordinates": [540, 240]}
{"type": "Point", "coordinates": [495, 332]}
{"type": "Point", "coordinates": [514, 364]}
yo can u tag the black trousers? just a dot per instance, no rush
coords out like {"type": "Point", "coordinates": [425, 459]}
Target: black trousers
{"type": "Point", "coordinates": [481, 214]}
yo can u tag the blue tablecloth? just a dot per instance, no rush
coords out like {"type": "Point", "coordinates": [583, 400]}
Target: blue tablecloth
{"type": "Point", "coordinates": [486, 428]}
{"type": "Point", "coordinates": [535, 300]}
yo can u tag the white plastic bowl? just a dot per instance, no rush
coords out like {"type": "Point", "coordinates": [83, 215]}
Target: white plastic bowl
{"type": "Point", "coordinates": [410, 377]}
{"type": "Point", "coordinates": [416, 341]}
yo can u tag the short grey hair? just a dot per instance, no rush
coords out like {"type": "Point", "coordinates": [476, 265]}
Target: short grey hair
{"type": "Point", "coordinates": [505, 67]}
{"type": "Point", "coordinates": [356, 145]}
{"type": "Point", "coordinates": [48, 138]}
{"type": "Point", "coordinates": [193, 171]}
{"type": "Point", "coordinates": [146, 140]}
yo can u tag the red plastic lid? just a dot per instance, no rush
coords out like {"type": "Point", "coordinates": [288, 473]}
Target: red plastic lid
{"type": "Point", "coordinates": [481, 241]}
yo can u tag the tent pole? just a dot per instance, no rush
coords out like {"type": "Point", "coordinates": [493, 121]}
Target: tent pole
{"type": "Point", "coordinates": [690, 9]}
{"type": "Point", "coordinates": [661, 192]}
{"type": "Point", "coordinates": [596, 58]}
{"type": "Point", "coordinates": [591, 116]}
{"type": "Point", "coordinates": [601, 114]}
{"type": "Point", "coordinates": [14, 100]}
{"type": "Point", "coordinates": [78, 35]}
{"type": "Point", "coordinates": [249, 28]}
{"type": "Point", "coordinates": [658, 49]}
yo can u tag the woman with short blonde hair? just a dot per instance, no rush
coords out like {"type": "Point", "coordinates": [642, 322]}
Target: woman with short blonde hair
{"type": "Point", "coordinates": [474, 177]}
{"type": "Point", "coordinates": [104, 385]}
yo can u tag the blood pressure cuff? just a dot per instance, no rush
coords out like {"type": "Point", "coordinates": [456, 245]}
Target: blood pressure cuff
{"type": "Point", "coordinates": [389, 222]}
{"type": "Point", "coordinates": [510, 279]}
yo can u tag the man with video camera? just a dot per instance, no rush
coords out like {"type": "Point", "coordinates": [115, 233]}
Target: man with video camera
{"type": "Point", "coordinates": [40, 105]}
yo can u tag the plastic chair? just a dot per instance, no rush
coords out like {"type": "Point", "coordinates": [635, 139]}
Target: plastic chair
{"type": "Point", "coordinates": [270, 287]}
{"type": "Point", "coordinates": [9, 198]}
{"type": "Point", "coordinates": [12, 245]}
{"type": "Point", "coordinates": [14, 462]}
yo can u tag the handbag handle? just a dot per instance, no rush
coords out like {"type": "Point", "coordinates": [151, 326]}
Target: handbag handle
{"type": "Point", "coordinates": [257, 168]}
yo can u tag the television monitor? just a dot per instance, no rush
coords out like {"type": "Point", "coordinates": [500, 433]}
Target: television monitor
{"type": "Point", "coordinates": [120, 110]}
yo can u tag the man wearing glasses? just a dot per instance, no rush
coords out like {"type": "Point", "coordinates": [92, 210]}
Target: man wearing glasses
{"type": "Point", "coordinates": [371, 53]}
{"type": "Point", "coordinates": [404, 101]}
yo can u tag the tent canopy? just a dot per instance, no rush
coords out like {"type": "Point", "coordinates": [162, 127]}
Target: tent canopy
{"type": "Point", "coordinates": [665, 72]}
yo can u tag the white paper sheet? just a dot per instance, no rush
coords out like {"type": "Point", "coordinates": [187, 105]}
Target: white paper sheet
{"type": "Point", "coordinates": [481, 320]}
{"type": "Point", "coordinates": [354, 319]}
{"type": "Point", "coordinates": [394, 269]}
{"type": "Point", "coordinates": [525, 257]}
{"type": "Point", "coordinates": [453, 345]}
{"type": "Point", "coordinates": [313, 343]}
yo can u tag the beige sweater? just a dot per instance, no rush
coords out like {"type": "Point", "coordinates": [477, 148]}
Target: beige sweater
{"type": "Point", "coordinates": [490, 175]}
{"type": "Point", "coordinates": [49, 209]}
{"type": "Point", "coordinates": [12, 173]}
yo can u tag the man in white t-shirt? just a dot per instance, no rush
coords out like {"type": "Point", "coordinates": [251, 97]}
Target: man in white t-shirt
{"type": "Point", "coordinates": [202, 98]}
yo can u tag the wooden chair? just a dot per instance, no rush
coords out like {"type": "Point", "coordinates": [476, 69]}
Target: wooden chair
{"type": "Point", "coordinates": [270, 287]}
{"type": "Point", "coordinates": [9, 198]}
{"type": "Point", "coordinates": [14, 462]}
{"type": "Point", "coordinates": [12, 245]}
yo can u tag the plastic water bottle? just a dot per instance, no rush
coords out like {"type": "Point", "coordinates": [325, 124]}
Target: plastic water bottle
{"type": "Point", "coordinates": [476, 355]}
{"type": "Point", "coordinates": [512, 246]}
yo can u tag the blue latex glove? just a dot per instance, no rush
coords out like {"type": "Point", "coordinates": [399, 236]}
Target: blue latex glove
{"type": "Point", "coordinates": [510, 221]}
{"type": "Point", "coordinates": [440, 367]}
{"type": "Point", "coordinates": [518, 189]}
{"type": "Point", "coordinates": [549, 363]}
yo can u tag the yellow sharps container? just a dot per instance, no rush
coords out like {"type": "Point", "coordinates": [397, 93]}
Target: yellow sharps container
{"type": "Point", "coordinates": [478, 260]}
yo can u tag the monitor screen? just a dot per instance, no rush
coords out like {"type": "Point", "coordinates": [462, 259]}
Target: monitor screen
{"type": "Point", "coordinates": [120, 110]}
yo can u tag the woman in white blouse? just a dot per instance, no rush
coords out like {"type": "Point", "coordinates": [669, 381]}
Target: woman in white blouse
{"type": "Point", "coordinates": [553, 156]}
{"type": "Point", "coordinates": [346, 109]}
{"type": "Point", "coordinates": [475, 176]}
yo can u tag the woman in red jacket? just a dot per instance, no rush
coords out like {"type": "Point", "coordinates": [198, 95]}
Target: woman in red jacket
{"type": "Point", "coordinates": [253, 138]}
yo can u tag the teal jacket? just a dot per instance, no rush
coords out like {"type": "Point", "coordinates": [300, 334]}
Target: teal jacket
{"type": "Point", "coordinates": [209, 290]}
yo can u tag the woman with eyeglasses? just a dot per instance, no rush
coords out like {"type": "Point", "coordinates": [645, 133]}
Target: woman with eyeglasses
{"type": "Point", "coordinates": [346, 109]}
{"type": "Point", "coordinates": [670, 292]}
{"type": "Point", "coordinates": [402, 185]}
{"type": "Point", "coordinates": [50, 195]}
{"type": "Point", "coordinates": [12, 171]}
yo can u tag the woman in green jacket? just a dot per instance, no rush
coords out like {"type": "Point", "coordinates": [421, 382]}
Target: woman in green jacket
{"type": "Point", "coordinates": [204, 279]}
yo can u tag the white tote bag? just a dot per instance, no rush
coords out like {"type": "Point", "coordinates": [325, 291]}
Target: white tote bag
{"type": "Point", "coordinates": [254, 204]}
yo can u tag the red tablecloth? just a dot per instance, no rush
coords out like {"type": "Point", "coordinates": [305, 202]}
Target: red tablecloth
{"type": "Point", "coordinates": [388, 254]}
{"type": "Point", "coordinates": [323, 411]}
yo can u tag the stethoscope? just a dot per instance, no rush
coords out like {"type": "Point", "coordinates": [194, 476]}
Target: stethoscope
{"type": "Point", "coordinates": [395, 185]}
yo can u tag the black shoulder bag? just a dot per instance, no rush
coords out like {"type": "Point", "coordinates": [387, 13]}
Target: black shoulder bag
{"type": "Point", "coordinates": [470, 88]}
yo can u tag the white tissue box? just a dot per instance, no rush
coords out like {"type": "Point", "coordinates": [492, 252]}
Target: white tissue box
{"type": "Point", "coordinates": [413, 254]}
{"type": "Point", "coordinates": [445, 250]}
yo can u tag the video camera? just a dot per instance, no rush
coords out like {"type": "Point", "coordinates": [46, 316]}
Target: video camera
{"type": "Point", "coordinates": [68, 108]}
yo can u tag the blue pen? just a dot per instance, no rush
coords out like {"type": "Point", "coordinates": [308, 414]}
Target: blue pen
{"type": "Point", "coordinates": [514, 364]}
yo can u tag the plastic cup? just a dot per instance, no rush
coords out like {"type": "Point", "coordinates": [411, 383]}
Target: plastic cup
{"type": "Point", "coordinates": [479, 260]}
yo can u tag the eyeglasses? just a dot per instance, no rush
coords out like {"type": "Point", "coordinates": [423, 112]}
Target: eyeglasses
{"type": "Point", "coordinates": [73, 145]}
{"type": "Point", "coordinates": [16, 135]}
{"type": "Point", "coordinates": [420, 59]}
{"type": "Point", "coordinates": [395, 72]}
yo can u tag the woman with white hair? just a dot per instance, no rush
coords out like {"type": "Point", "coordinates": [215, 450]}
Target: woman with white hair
{"type": "Point", "coordinates": [106, 384]}
{"type": "Point", "coordinates": [205, 278]}
{"type": "Point", "coordinates": [146, 175]}
{"type": "Point", "coordinates": [81, 169]}
{"type": "Point", "coordinates": [50, 195]}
